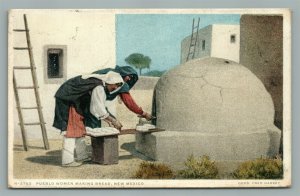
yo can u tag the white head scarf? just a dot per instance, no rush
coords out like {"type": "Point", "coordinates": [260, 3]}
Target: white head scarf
{"type": "Point", "coordinates": [110, 77]}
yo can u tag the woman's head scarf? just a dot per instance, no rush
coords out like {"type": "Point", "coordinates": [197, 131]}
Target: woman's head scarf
{"type": "Point", "coordinates": [110, 77]}
{"type": "Point", "coordinates": [123, 71]}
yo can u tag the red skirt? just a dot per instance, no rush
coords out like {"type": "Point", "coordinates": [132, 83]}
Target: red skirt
{"type": "Point", "coordinates": [75, 128]}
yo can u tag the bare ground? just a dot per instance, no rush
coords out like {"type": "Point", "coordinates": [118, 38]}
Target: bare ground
{"type": "Point", "coordinates": [38, 163]}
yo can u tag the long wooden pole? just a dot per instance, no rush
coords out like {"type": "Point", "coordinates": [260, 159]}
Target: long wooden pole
{"type": "Point", "coordinates": [35, 82]}
{"type": "Point", "coordinates": [20, 113]}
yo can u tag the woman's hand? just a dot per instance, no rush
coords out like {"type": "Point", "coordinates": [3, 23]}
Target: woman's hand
{"type": "Point", "coordinates": [117, 124]}
{"type": "Point", "coordinates": [147, 116]}
{"type": "Point", "coordinates": [113, 122]}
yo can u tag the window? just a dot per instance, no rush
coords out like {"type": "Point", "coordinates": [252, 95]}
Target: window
{"type": "Point", "coordinates": [203, 44]}
{"type": "Point", "coordinates": [55, 63]}
{"type": "Point", "coordinates": [232, 38]}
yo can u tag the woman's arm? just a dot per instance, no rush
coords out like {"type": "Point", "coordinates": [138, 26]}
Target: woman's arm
{"type": "Point", "coordinates": [97, 107]}
{"type": "Point", "coordinates": [132, 106]}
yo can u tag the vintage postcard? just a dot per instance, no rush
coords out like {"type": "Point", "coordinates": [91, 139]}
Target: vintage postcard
{"type": "Point", "coordinates": [149, 98]}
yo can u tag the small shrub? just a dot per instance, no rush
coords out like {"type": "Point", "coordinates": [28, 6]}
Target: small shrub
{"type": "Point", "coordinates": [262, 168]}
{"type": "Point", "coordinates": [202, 168]}
{"type": "Point", "coordinates": [154, 171]}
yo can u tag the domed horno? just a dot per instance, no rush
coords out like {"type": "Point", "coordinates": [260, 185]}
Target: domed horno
{"type": "Point", "coordinates": [211, 107]}
{"type": "Point", "coordinates": [212, 96]}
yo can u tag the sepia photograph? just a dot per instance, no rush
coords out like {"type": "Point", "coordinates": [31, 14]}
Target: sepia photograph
{"type": "Point", "coordinates": [149, 98]}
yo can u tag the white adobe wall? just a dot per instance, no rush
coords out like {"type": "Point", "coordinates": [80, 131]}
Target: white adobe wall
{"type": "Point", "coordinates": [142, 93]}
{"type": "Point", "coordinates": [221, 45]}
{"type": "Point", "coordinates": [217, 43]}
{"type": "Point", "coordinates": [90, 39]}
{"type": "Point", "coordinates": [262, 53]}
{"type": "Point", "coordinates": [185, 43]}
{"type": "Point", "coordinates": [203, 34]}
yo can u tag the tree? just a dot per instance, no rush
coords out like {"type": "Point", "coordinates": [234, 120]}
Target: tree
{"type": "Point", "coordinates": [139, 61]}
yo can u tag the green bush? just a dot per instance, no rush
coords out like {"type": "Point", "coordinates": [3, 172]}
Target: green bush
{"type": "Point", "coordinates": [154, 171]}
{"type": "Point", "coordinates": [202, 168]}
{"type": "Point", "coordinates": [262, 168]}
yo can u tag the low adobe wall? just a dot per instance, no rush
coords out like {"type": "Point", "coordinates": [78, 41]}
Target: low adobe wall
{"type": "Point", "coordinates": [142, 92]}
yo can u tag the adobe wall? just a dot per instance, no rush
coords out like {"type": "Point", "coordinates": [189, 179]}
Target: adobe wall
{"type": "Point", "coordinates": [261, 51]}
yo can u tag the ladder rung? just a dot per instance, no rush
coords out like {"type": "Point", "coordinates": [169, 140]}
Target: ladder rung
{"type": "Point", "coordinates": [30, 108]}
{"type": "Point", "coordinates": [20, 30]}
{"type": "Point", "coordinates": [26, 87]}
{"type": "Point", "coordinates": [23, 67]}
{"type": "Point", "coordinates": [33, 123]}
{"type": "Point", "coordinates": [21, 48]}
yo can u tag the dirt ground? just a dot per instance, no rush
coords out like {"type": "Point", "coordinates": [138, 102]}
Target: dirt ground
{"type": "Point", "coordinates": [38, 163]}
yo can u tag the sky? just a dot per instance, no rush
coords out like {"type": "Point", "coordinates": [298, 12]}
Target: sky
{"type": "Point", "coordinates": [159, 36]}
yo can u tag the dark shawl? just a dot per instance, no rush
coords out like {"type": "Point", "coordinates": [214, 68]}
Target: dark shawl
{"type": "Point", "coordinates": [77, 92]}
{"type": "Point", "coordinates": [123, 71]}
{"type": "Point", "coordinates": [74, 92]}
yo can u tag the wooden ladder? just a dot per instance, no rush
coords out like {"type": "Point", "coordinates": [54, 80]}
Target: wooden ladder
{"type": "Point", "coordinates": [35, 87]}
{"type": "Point", "coordinates": [194, 38]}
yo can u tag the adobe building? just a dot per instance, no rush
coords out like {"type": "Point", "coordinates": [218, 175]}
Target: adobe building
{"type": "Point", "coordinates": [66, 43]}
{"type": "Point", "coordinates": [216, 40]}
{"type": "Point", "coordinates": [261, 51]}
